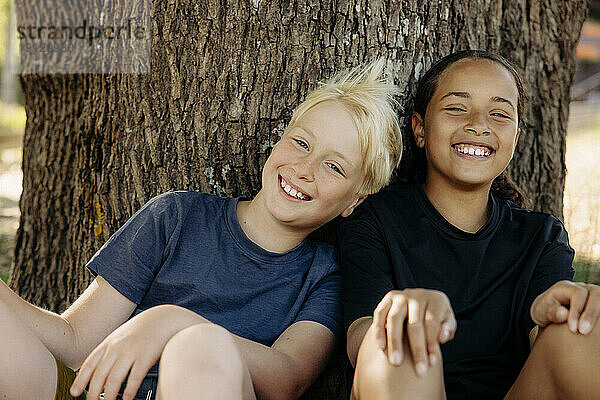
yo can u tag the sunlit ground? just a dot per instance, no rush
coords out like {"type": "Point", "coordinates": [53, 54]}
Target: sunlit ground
{"type": "Point", "coordinates": [582, 199]}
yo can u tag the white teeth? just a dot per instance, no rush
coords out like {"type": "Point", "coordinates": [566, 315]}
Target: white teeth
{"type": "Point", "coordinates": [291, 191]}
{"type": "Point", "coordinates": [472, 151]}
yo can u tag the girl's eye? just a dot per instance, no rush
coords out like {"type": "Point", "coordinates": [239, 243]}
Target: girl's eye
{"type": "Point", "coordinates": [454, 109]}
{"type": "Point", "coordinates": [335, 168]}
{"type": "Point", "coordinates": [501, 115]}
{"type": "Point", "coordinates": [302, 144]}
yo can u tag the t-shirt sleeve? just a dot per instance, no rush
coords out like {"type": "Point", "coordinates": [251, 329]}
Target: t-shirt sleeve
{"type": "Point", "coordinates": [133, 255]}
{"type": "Point", "coordinates": [324, 304]}
{"type": "Point", "coordinates": [365, 263]}
{"type": "Point", "coordinates": [555, 264]}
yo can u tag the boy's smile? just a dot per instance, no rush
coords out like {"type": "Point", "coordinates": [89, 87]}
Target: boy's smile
{"type": "Point", "coordinates": [313, 173]}
{"type": "Point", "coordinates": [292, 191]}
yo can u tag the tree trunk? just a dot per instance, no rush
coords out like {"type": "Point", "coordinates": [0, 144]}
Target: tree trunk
{"type": "Point", "coordinates": [224, 80]}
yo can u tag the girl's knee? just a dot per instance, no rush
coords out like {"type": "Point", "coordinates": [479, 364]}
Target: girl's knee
{"type": "Point", "coordinates": [570, 357]}
{"type": "Point", "coordinates": [377, 378]}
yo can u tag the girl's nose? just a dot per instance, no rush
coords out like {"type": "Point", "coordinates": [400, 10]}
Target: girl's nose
{"type": "Point", "coordinates": [477, 124]}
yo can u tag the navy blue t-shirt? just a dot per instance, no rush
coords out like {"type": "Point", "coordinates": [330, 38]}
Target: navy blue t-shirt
{"type": "Point", "coordinates": [187, 248]}
{"type": "Point", "coordinates": [397, 239]}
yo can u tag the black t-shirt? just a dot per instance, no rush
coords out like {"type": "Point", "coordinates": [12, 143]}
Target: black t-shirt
{"type": "Point", "coordinates": [397, 240]}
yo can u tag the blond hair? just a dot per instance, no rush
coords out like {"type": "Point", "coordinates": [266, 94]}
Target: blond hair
{"type": "Point", "coordinates": [369, 99]}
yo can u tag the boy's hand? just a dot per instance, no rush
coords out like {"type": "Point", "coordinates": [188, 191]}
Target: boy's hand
{"type": "Point", "coordinates": [131, 349]}
{"type": "Point", "coordinates": [429, 321]}
{"type": "Point", "coordinates": [572, 302]}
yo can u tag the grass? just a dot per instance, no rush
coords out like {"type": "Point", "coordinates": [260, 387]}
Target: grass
{"type": "Point", "coordinates": [587, 270]}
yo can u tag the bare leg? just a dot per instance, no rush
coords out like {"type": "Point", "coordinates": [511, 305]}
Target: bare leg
{"type": "Point", "coordinates": [377, 379]}
{"type": "Point", "coordinates": [203, 362]}
{"type": "Point", "coordinates": [562, 365]}
{"type": "Point", "coordinates": [27, 369]}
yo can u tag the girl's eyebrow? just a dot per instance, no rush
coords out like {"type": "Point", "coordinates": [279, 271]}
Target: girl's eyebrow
{"type": "Point", "coordinates": [457, 94]}
{"type": "Point", "coordinates": [466, 95]}
{"type": "Point", "coordinates": [498, 99]}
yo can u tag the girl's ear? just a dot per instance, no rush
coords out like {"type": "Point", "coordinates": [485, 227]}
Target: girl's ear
{"type": "Point", "coordinates": [349, 210]}
{"type": "Point", "coordinates": [418, 130]}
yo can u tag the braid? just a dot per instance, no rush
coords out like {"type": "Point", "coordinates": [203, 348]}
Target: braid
{"type": "Point", "coordinates": [504, 188]}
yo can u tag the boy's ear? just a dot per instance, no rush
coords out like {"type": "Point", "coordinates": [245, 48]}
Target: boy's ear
{"type": "Point", "coordinates": [351, 208]}
{"type": "Point", "coordinates": [418, 131]}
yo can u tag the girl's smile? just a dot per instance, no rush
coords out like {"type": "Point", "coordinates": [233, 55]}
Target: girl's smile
{"type": "Point", "coordinates": [470, 128]}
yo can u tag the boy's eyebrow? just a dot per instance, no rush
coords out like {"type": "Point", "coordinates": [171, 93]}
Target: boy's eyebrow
{"type": "Point", "coordinates": [335, 152]}
{"type": "Point", "coordinates": [466, 95]}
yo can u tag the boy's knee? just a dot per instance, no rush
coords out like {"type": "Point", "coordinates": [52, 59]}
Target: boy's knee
{"type": "Point", "coordinates": [204, 346]}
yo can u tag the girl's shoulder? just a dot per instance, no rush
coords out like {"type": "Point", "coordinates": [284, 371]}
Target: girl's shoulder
{"type": "Point", "coordinates": [527, 220]}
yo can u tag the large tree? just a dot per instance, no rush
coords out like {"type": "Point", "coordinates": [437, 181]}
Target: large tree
{"type": "Point", "coordinates": [224, 79]}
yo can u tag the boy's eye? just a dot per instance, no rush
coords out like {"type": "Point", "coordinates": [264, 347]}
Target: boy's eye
{"type": "Point", "coordinates": [302, 143]}
{"type": "Point", "coordinates": [335, 168]}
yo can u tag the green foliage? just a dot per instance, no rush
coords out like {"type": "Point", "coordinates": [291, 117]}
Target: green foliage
{"type": "Point", "coordinates": [4, 276]}
{"type": "Point", "coordinates": [587, 270]}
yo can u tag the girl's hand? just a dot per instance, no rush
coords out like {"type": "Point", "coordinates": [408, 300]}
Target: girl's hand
{"type": "Point", "coordinates": [566, 301]}
{"type": "Point", "coordinates": [429, 322]}
{"type": "Point", "coordinates": [130, 349]}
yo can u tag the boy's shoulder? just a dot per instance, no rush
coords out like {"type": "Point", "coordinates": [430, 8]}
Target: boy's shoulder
{"type": "Point", "coordinates": [181, 202]}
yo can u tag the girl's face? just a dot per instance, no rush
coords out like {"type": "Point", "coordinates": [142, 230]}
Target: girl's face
{"type": "Point", "coordinates": [470, 128]}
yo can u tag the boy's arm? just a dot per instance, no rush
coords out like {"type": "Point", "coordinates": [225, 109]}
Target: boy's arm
{"type": "Point", "coordinates": [73, 335]}
{"type": "Point", "coordinates": [285, 369]}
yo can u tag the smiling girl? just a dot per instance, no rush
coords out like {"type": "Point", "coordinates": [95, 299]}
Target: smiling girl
{"type": "Point", "coordinates": [455, 267]}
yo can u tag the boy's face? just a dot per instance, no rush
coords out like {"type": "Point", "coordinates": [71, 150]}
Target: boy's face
{"type": "Point", "coordinates": [314, 171]}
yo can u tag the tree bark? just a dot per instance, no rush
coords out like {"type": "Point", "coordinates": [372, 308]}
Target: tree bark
{"type": "Point", "coordinates": [225, 77]}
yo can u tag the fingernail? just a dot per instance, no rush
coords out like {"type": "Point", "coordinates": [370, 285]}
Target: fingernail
{"type": "Point", "coordinates": [573, 326]}
{"type": "Point", "coordinates": [446, 332]}
{"type": "Point", "coordinates": [585, 327]}
{"type": "Point", "coordinates": [381, 343]}
{"type": "Point", "coordinates": [561, 313]}
{"type": "Point", "coordinates": [421, 368]}
{"type": "Point", "coordinates": [396, 357]}
{"type": "Point", "coordinates": [432, 359]}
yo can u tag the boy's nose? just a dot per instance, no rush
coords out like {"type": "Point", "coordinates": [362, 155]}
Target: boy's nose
{"type": "Point", "coordinates": [305, 169]}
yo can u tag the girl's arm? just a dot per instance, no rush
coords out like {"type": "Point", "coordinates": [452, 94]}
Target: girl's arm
{"type": "Point", "coordinates": [289, 366]}
{"type": "Point", "coordinates": [575, 303]}
{"type": "Point", "coordinates": [73, 335]}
